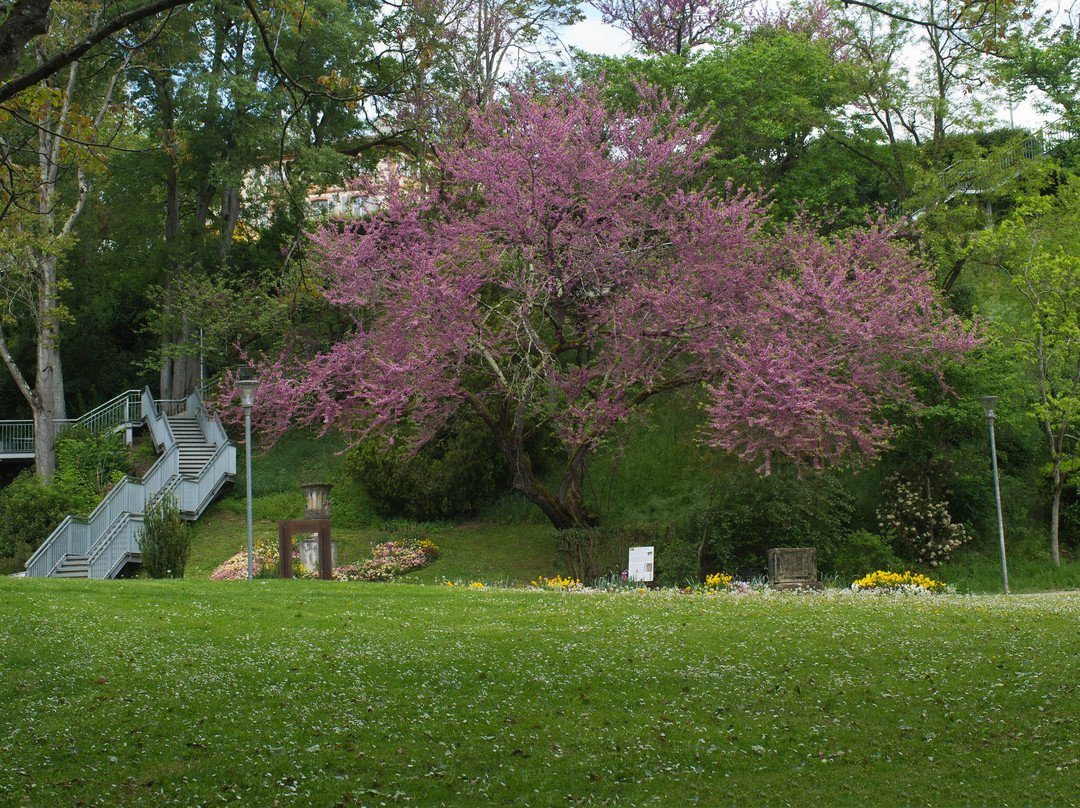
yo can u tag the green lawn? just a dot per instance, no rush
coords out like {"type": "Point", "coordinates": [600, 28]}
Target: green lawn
{"type": "Point", "coordinates": [161, 693]}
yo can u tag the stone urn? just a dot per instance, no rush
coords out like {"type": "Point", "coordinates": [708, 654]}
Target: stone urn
{"type": "Point", "coordinates": [316, 506]}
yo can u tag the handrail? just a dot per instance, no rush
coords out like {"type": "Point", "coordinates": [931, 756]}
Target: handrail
{"type": "Point", "coordinates": [109, 535]}
{"type": "Point", "coordinates": [17, 435]}
{"type": "Point", "coordinates": [195, 495]}
{"type": "Point", "coordinates": [158, 424]}
{"type": "Point", "coordinates": [78, 534]}
{"type": "Point", "coordinates": [116, 412]}
{"type": "Point", "coordinates": [211, 427]}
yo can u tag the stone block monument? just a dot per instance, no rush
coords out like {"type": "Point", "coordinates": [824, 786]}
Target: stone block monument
{"type": "Point", "coordinates": [793, 568]}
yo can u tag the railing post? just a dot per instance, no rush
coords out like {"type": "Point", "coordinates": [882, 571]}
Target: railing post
{"type": "Point", "coordinates": [128, 432]}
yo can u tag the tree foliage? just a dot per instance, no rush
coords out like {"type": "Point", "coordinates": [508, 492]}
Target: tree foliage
{"type": "Point", "coordinates": [1036, 249]}
{"type": "Point", "coordinates": [568, 269]}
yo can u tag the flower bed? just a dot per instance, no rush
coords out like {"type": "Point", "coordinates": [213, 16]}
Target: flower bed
{"type": "Point", "coordinates": [908, 582]}
{"type": "Point", "coordinates": [558, 584]}
{"type": "Point", "coordinates": [388, 561]}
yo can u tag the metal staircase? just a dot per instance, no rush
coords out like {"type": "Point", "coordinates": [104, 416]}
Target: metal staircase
{"type": "Point", "coordinates": [197, 460]}
{"type": "Point", "coordinates": [979, 175]}
{"type": "Point", "coordinates": [195, 450]}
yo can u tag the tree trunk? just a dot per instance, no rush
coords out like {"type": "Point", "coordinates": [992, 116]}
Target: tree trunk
{"type": "Point", "coordinates": [565, 508]}
{"type": "Point", "coordinates": [1055, 510]}
{"type": "Point", "coordinates": [179, 374]}
{"type": "Point", "coordinates": [44, 443]}
{"type": "Point", "coordinates": [50, 372]}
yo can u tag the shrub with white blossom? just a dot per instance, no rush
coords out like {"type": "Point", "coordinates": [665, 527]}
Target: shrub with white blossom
{"type": "Point", "coordinates": [919, 527]}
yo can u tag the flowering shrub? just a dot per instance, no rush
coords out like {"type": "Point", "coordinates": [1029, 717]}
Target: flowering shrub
{"type": "Point", "coordinates": [264, 562]}
{"type": "Point", "coordinates": [919, 526]}
{"type": "Point", "coordinates": [558, 584]}
{"type": "Point", "coordinates": [882, 581]}
{"type": "Point", "coordinates": [389, 560]}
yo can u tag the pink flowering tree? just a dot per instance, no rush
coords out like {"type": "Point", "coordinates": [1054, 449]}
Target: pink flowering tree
{"type": "Point", "coordinates": [672, 26]}
{"type": "Point", "coordinates": [567, 269]}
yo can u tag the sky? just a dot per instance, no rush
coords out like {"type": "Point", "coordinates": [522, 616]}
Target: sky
{"type": "Point", "coordinates": [593, 36]}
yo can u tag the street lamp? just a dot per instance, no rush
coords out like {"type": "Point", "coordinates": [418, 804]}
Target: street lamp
{"type": "Point", "coordinates": [247, 385]}
{"type": "Point", "coordinates": [989, 405]}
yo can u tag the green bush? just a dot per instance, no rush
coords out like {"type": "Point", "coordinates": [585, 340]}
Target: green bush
{"type": "Point", "coordinates": [88, 464]}
{"type": "Point", "coordinates": [29, 511]}
{"type": "Point", "coordinates": [677, 562]}
{"type": "Point", "coordinates": [454, 474]}
{"type": "Point", "coordinates": [755, 513]}
{"type": "Point", "coordinates": [862, 552]}
{"type": "Point", "coordinates": [165, 540]}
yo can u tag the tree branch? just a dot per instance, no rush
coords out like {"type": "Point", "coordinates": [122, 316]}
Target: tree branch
{"type": "Point", "coordinates": [26, 20]}
{"type": "Point", "coordinates": [12, 43]}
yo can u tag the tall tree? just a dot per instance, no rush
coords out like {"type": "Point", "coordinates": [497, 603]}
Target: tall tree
{"type": "Point", "coordinates": [63, 145]}
{"type": "Point", "coordinates": [253, 110]}
{"type": "Point", "coordinates": [673, 26]}
{"type": "Point", "coordinates": [567, 270]}
{"type": "Point", "coordinates": [1038, 248]}
{"type": "Point", "coordinates": [1047, 57]}
{"type": "Point", "coordinates": [26, 21]}
{"type": "Point", "coordinates": [770, 93]}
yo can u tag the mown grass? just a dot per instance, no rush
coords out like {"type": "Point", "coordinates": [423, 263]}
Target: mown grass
{"type": "Point", "coordinates": [132, 693]}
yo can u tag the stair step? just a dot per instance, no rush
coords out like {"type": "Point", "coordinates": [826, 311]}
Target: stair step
{"type": "Point", "coordinates": [195, 452]}
{"type": "Point", "coordinates": [73, 566]}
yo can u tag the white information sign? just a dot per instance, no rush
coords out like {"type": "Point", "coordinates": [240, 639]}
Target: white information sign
{"type": "Point", "coordinates": [641, 564]}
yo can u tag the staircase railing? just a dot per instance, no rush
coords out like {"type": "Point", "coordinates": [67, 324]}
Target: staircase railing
{"type": "Point", "coordinates": [158, 424]}
{"type": "Point", "coordinates": [120, 411]}
{"type": "Point", "coordinates": [977, 175]}
{"type": "Point", "coordinates": [17, 436]}
{"type": "Point", "coordinates": [109, 535]}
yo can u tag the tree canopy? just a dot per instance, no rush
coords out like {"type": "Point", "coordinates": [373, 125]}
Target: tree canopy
{"type": "Point", "coordinates": [566, 268]}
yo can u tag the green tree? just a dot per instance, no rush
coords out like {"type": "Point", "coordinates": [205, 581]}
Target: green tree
{"type": "Point", "coordinates": [1037, 248]}
{"type": "Point", "coordinates": [51, 142]}
{"type": "Point", "coordinates": [770, 92]}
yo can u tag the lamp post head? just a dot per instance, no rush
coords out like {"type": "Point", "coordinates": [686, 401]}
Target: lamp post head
{"type": "Point", "coordinates": [989, 405]}
{"type": "Point", "coordinates": [247, 386]}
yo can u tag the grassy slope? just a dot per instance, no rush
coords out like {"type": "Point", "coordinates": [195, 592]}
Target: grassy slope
{"type": "Point", "coordinates": [654, 480]}
{"type": "Point", "coordinates": [131, 693]}
{"type": "Point", "coordinates": [473, 551]}
{"type": "Point", "coordinates": [493, 552]}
